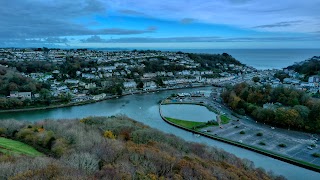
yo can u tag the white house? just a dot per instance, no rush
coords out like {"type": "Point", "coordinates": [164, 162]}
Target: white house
{"type": "Point", "coordinates": [90, 86]}
{"type": "Point", "coordinates": [107, 68]}
{"type": "Point", "coordinates": [149, 85]}
{"type": "Point", "coordinates": [71, 81]}
{"type": "Point", "coordinates": [23, 95]}
{"type": "Point", "coordinates": [291, 81]}
{"type": "Point", "coordinates": [99, 97]}
{"type": "Point", "coordinates": [88, 76]}
{"type": "Point", "coordinates": [313, 79]}
{"type": "Point", "coordinates": [130, 85]}
{"type": "Point", "coordinates": [149, 75]}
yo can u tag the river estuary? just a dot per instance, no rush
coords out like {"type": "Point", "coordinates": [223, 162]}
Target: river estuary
{"type": "Point", "coordinates": [144, 108]}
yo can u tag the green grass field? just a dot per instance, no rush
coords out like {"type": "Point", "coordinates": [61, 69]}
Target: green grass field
{"type": "Point", "coordinates": [11, 147]}
{"type": "Point", "coordinates": [224, 119]}
{"type": "Point", "coordinates": [187, 124]}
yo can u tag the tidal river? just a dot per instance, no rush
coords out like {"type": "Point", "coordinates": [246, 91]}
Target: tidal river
{"type": "Point", "coordinates": [144, 108]}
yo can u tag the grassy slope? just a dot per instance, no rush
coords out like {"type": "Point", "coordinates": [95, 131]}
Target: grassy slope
{"type": "Point", "coordinates": [187, 124]}
{"type": "Point", "coordinates": [8, 146]}
{"type": "Point", "coordinates": [224, 119]}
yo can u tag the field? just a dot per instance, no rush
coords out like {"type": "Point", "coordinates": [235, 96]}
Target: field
{"type": "Point", "coordinates": [187, 124]}
{"type": "Point", "coordinates": [8, 146]}
{"type": "Point", "coordinates": [224, 119]}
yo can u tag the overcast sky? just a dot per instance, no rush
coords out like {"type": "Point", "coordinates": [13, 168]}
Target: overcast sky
{"type": "Point", "coordinates": [160, 24]}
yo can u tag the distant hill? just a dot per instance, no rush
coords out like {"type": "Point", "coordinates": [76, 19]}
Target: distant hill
{"type": "Point", "coordinates": [115, 148]}
{"type": "Point", "coordinates": [308, 67]}
{"type": "Point", "coordinates": [209, 61]}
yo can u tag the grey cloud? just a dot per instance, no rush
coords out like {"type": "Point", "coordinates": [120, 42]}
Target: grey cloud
{"type": "Point", "coordinates": [94, 39]}
{"type": "Point", "coordinates": [317, 35]}
{"type": "Point", "coordinates": [187, 20]}
{"type": "Point", "coordinates": [36, 42]}
{"type": "Point", "coordinates": [48, 40]}
{"type": "Point", "coordinates": [115, 31]}
{"type": "Point", "coordinates": [132, 12]}
{"type": "Point", "coordinates": [152, 28]}
{"type": "Point", "coordinates": [280, 24]}
{"type": "Point", "coordinates": [239, 1]}
{"type": "Point", "coordinates": [200, 39]}
{"type": "Point", "coordinates": [56, 40]}
{"type": "Point", "coordinates": [171, 39]}
{"type": "Point", "coordinates": [23, 19]}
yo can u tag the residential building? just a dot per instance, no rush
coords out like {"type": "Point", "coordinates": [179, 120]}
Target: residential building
{"type": "Point", "coordinates": [23, 95]}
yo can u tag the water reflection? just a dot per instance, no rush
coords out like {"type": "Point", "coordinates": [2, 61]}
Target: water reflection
{"type": "Point", "coordinates": [188, 112]}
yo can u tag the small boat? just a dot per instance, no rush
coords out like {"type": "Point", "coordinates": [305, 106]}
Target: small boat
{"type": "Point", "coordinates": [197, 135]}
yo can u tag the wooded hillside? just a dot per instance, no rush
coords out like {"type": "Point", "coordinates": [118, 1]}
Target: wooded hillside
{"type": "Point", "coordinates": [281, 106]}
{"type": "Point", "coordinates": [115, 148]}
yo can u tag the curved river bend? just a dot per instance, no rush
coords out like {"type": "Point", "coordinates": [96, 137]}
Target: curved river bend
{"type": "Point", "coordinates": [144, 108]}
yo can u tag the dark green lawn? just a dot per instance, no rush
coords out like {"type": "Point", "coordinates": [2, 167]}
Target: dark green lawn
{"type": "Point", "coordinates": [224, 119]}
{"type": "Point", "coordinates": [11, 147]}
{"type": "Point", "coordinates": [184, 123]}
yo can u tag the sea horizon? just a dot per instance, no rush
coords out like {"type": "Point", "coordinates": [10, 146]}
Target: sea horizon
{"type": "Point", "coordinates": [261, 59]}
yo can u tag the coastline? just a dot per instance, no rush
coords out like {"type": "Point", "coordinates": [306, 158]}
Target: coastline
{"type": "Point", "coordinates": [284, 158]}
{"type": "Point", "coordinates": [94, 101]}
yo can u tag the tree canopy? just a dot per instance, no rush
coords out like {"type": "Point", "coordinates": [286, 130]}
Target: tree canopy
{"type": "Point", "coordinates": [281, 106]}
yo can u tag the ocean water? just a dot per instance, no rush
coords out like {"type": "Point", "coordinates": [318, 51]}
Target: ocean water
{"type": "Point", "coordinates": [263, 58]}
{"type": "Point", "coordinates": [258, 58]}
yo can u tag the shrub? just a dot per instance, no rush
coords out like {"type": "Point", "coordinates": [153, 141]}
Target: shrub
{"type": "Point", "coordinates": [60, 147]}
{"type": "Point", "coordinates": [282, 145]}
{"type": "Point", "coordinates": [2, 131]}
{"type": "Point", "coordinates": [242, 132]}
{"type": "Point", "coordinates": [236, 127]}
{"type": "Point", "coordinates": [82, 161]}
{"type": "Point", "coordinates": [259, 134]}
{"type": "Point", "coordinates": [109, 135]}
{"type": "Point", "coordinates": [262, 143]}
{"type": "Point", "coordinates": [316, 155]}
{"type": "Point", "coordinates": [22, 134]}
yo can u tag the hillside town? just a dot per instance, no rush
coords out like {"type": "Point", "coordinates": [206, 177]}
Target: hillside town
{"type": "Point", "coordinates": [81, 75]}
{"type": "Point", "coordinates": [125, 69]}
{"type": "Point", "coordinates": [290, 78]}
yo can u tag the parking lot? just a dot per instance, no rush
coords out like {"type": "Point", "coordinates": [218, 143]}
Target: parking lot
{"type": "Point", "coordinates": [297, 145]}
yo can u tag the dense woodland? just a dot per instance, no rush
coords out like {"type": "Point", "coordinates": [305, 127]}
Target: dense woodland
{"type": "Point", "coordinates": [296, 110]}
{"type": "Point", "coordinates": [115, 148]}
{"type": "Point", "coordinates": [209, 61]}
{"type": "Point", "coordinates": [12, 80]}
{"type": "Point", "coordinates": [308, 67]}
